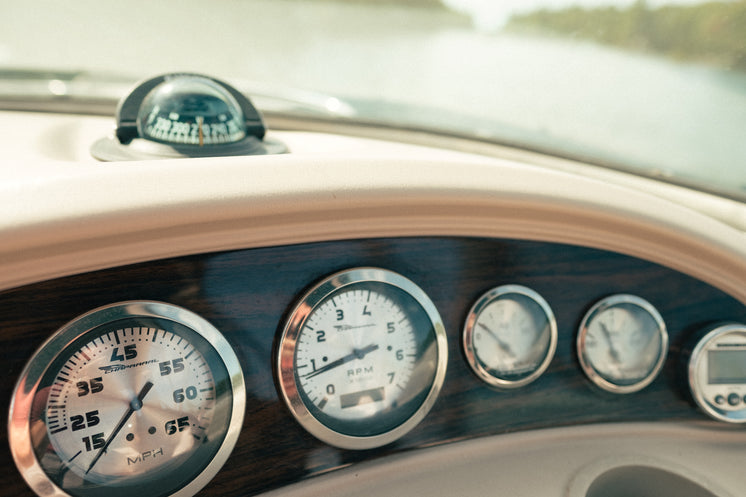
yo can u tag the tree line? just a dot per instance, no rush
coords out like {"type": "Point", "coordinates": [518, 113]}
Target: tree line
{"type": "Point", "coordinates": [711, 32]}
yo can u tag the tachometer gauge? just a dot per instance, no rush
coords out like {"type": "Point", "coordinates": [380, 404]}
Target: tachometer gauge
{"type": "Point", "coordinates": [510, 336]}
{"type": "Point", "coordinates": [136, 398]}
{"type": "Point", "coordinates": [362, 358]}
{"type": "Point", "coordinates": [622, 343]}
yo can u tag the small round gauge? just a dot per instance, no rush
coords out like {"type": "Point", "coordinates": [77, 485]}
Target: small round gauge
{"type": "Point", "coordinates": [133, 398]}
{"type": "Point", "coordinates": [622, 343]}
{"type": "Point", "coordinates": [362, 358]}
{"type": "Point", "coordinates": [510, 336]}
{"type": "Point", "coordinates": [717, 373]}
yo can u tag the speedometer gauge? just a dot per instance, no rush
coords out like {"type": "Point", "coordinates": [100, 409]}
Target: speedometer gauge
{"type": "Point", "coordinates": [134, 398]}
{"type": "Point", "coordinates": [362, 358]}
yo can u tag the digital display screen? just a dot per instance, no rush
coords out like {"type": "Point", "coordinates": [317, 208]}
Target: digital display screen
{"type": "Point", "coordinates": [726, 366]}
{"type": "Point", "coordinates": [363, 397]}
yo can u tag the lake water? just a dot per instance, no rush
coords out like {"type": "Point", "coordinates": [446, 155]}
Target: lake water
{"type": "Point", "coordinates": [573, 96]}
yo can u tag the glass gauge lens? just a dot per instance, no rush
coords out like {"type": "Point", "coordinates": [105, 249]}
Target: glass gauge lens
{"type": "Point", "coordinates": [362, 358]}
{"type": "Point", "coordinates": [510, 336]}
{"type": "Point", "coordinates": [717, 373]}
{"type": "Point", "coordinates": [622, 343]}
{"type": "Point", "coordinates": [138, 397]}
{"type": "Point", "coordinates": [191, 110]}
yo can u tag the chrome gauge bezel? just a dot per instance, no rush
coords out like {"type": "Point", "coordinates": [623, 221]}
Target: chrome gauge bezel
{"type": "Point", "coordinates": [477, 366]}
{"type": "Point", "coordinates": [698, 359]}
{"type": "Point", "coordinates": [286, 354]}
{"type": "Point", "coordinates": [58, 345]}
{"type": "Point", "coordinates": [587, 364]}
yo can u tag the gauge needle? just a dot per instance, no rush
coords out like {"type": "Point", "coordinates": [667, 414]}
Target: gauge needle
{"type": "Point", "coordinates": [135, 405]}
{"type": "Point", "coordinates": [504, 346]}
{"type": "Point", "coordinates": [201, 120]}
{"type": "Point", "coordinates": [348, 327]}
{"type": "Point", "coordinates": [613, 352]}
{"type": "Point", "coordinates": [356, 354]}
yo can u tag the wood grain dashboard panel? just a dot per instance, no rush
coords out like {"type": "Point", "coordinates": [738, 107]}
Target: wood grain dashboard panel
{"type": "Point", "coordinates": [247, 295]}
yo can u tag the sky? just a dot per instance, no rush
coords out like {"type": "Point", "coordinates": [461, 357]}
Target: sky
{"type": "Point", "coordinates": [492, 14]}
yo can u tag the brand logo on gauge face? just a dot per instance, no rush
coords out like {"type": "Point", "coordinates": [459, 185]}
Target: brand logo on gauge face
{"type": "Point", "coordinates": [122, 367]}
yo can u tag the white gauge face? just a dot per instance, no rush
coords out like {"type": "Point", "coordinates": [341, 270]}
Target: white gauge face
{"type": "Point", "coordinates": [356, 354]}
{"type": "Point", "coordinates": [362, 358]}
{"type": "Point", "coordinates": [510, 336]}
{"type": "Point", "coordinates": [153, 382]}
{"type": "Point", "coordinates": [138, 397]}
{"type": "Point", "coordinates": [622, 343]}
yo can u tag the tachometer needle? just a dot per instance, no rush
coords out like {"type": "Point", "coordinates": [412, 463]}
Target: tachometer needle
{"type": "Point", "coordinates": [356, 354]}
{"type": "Point", "coordinates": [348, 327]}
{"type": "Point", "coordinates": [135, 405]}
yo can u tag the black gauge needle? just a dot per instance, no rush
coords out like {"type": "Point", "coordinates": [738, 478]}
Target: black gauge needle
{"type": "Point", "coordinates": [135, 405]}
{"type": "Point", "coordinates": [504, 346]}
{"type": "Point", "coordinates": [348, 327]}
{"type": "Point", "coordinates": [356, 354]}
{"type": "Point", "coordinates": [613, 352]}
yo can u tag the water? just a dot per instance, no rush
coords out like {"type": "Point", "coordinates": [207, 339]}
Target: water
{"type": "Point", "coordinates": [579, 98]}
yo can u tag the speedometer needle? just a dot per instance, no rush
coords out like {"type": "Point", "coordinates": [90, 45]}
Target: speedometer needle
{"type": "Point", "coordinates": [356, 354]}
{"type": "Point", "coordinates": [135, 405]}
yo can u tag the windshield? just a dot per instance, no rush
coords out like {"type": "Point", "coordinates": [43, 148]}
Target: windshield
{"type": "Point", "coordinates": [656, 87]}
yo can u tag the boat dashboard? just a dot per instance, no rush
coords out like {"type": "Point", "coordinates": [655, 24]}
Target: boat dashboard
{"type": "Point", "coordinates": [254, 249]}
